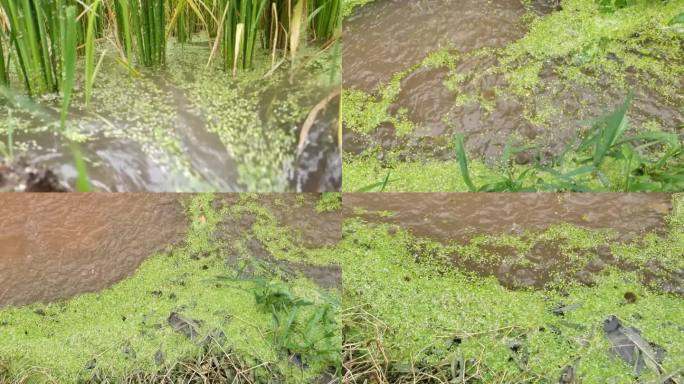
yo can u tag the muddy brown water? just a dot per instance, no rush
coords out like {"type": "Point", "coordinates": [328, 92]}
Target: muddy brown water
{"type": "Point", "coordinates": [457, 217]}
{"type": "Point", "coordinates": [389, 36]}
{"type": "Point", "coordinates": [55, 246]}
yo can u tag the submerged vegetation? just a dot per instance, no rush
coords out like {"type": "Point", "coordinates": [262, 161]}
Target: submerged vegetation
{"type": "Point", "coordinates": [196, 312]}
{"type": "Point", "coordinates": [419, 311]}
{"type": "Point", "coordinates": [571, 66]}
{"type": "Point", "coordinates": [128, 75]}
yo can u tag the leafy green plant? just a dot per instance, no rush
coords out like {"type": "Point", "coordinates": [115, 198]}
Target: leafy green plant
{"type": "Point", "coordinates": [69, 47]}
{"type": "Point", "coordinates": [122, 12]}
{"type": "Point", "coordinates": [90, 68]}
{"type": "Point", "coordinates": [35, 38]}
{"type": "Point", "coordinates": [305, 330]}
{"type": "Point", "coordinates": [328, 14]}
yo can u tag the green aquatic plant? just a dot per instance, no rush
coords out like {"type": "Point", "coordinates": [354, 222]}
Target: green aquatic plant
{"type": "Point", "coordinates": [609, 158]}
{"type": "Point", "coordinates": [240, 28]}
{"type": "Point", "coordinates": [122, 12]}
{"type": "Point", "coordinates": [186, 314]}
{"type": "Point", "coordinates": [326, 23]}
{"type": "Point", "coordinates": [69, 42]}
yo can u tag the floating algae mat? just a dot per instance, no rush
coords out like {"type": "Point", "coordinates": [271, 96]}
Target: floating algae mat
{"type": "Point", "coordinates": [602, 309]}
{"type": "Point", "coordinates": [166, 102]}
{"type": "Point", "coordinates": [513, 95]}
{"type": "Point", "coordinates": [211, 308]}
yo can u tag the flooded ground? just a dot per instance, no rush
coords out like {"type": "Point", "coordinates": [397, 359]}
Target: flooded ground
{"type": "Point", "coordinates": [56, 246]}
{"type": "Point", "coordinates": [61, 246]}
{"type": "Point", "coordinates": [417, 73]}
{"type": "Point", "coordinates": [167, 131]}
{"type": "Point", "coordinates": [388, 36]}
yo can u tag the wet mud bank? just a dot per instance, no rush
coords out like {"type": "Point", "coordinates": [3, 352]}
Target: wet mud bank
{"type": "Point", "coordinates": [418, 310]}
{"type": "Point", "coordinates": [531, 78]}
{"type": "Point", "coordinates": [377, 43]}
{"type": "Point", "coordinates": [239, 297]}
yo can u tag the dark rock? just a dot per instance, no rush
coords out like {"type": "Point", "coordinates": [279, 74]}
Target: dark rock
{"type": "Point", "coordinates": [187, 326]}
{"type": "Point", "coordinates": [159, 357]}
{"type": "Point", "coordinates": [21, 176]}
{"type": "Point", "coordinates": [561, 311]}
{"type": "Point", "coordinates": [631, 347]}
{"type": "Point", "coordinates": [569, 374]}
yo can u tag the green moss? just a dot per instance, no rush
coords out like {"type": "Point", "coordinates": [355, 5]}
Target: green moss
{"type": "Point", "coordinates": [329, 202]}
{"type": "Point", "coordinates": [415, 310]}
{"type": "Point", "coordinates": [119, 330]}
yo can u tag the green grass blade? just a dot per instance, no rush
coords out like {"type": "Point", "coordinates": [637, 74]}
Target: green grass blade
{"type": "Point", "coordinates": [463, 162]}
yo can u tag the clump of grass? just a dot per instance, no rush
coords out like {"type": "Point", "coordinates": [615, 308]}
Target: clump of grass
{"type": "Point", "coordinates": [327, 20]}
{"type": "Point", "coordinates": [240, 26]}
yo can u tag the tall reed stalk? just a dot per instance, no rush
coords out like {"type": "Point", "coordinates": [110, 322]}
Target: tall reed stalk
{"type": "Point", "coordinates": [90, 69]}
{"type": "Point", "coordinates": [4, 73]}
{"type": "Point", "coordinates": [32, 29]}
{"type": "Point", "coordinates": [122, 12]}
{"type": "Point", "coordinates": [243, 16]}
{"type": "Point", "coordinates": [148, 21]}
{"type": "Point", "coordinates": [69, 45]}
{"type": "Point", "coordinates": [326, 23]}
